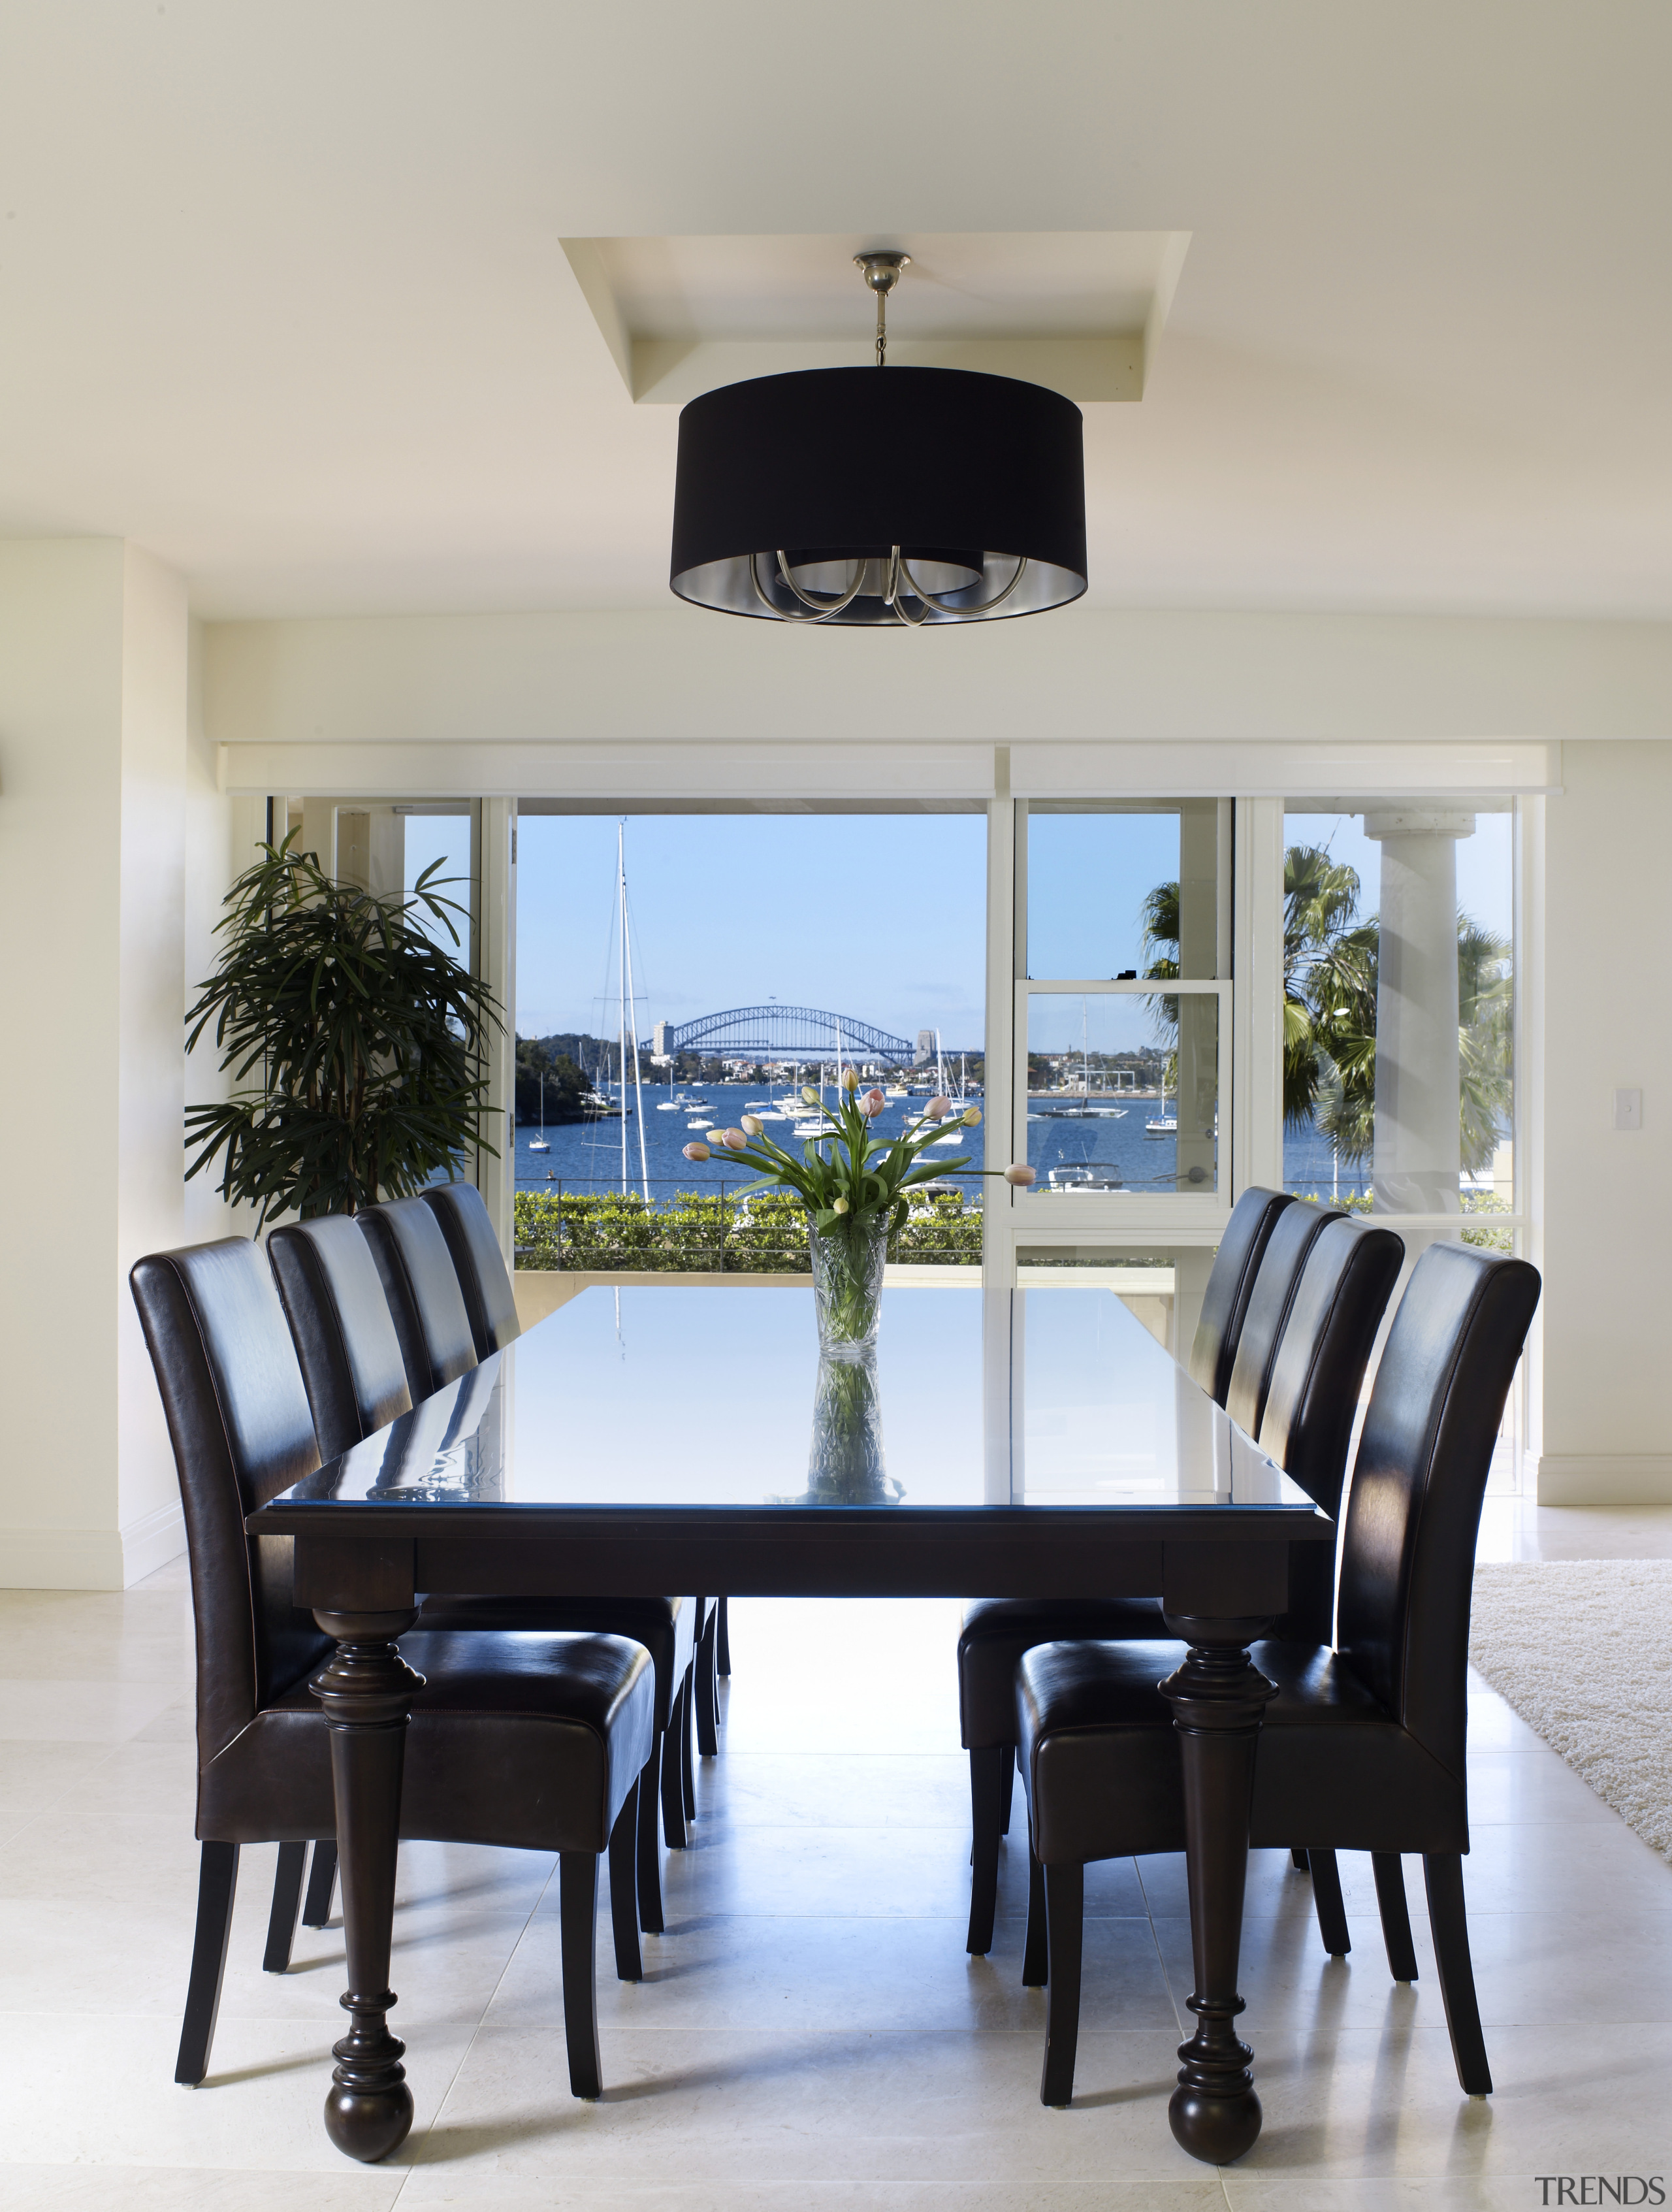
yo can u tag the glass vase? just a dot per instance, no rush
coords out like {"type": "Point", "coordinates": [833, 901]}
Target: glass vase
{"type": "Point", "coordinates": [845, 1465]}
{"type": "Point", "coordinates": [847, 1285]}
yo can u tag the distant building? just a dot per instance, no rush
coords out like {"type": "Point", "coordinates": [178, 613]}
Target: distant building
{"type": "Point", "coordinates": [661, 1045]}
{"type": "Point", "coordinates": [925, 1051]}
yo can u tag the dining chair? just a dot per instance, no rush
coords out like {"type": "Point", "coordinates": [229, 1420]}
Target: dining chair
{"type": "Point", "coordinates": [995, 1632]}
{"type": "Point", "coordinates": [1363, 1742]}
{"type": "Point", "coordinates": [489, 1299]}
{"type": "Point", "coordinates": [534, 1743]}
{"type": "Point", "coordinates": [421, 1286]}
{"type": "Point", "coordinates": [424, 1285]}
{"type": "Point", "coordinates": [1287, 1248]}
{"type": "Point", "coordinates": [490, 1302]}
{"type": "Point", "coordinates": [1230, 1285]}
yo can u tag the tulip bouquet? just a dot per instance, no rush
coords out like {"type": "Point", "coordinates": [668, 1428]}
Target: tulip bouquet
{"type": "Point", "coordinates": [857, 1194]}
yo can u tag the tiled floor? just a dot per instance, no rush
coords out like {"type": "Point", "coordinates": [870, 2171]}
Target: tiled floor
{"type": "Point", "coordinates": [810, 2033]}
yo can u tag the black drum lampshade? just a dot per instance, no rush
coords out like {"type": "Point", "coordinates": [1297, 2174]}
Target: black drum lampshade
{"type": "Point", "coordinates": [904, 497]}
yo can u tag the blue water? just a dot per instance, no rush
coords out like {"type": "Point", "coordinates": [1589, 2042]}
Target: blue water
{"type": "Point", "coordinates": [587, 1155]}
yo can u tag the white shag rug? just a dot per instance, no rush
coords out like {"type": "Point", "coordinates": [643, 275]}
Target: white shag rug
{"type": "Point", "coordinates": [1583, 1650]}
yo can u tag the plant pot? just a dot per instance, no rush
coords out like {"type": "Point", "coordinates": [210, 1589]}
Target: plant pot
{"type": "Point", "coordinates": [847, 1286]}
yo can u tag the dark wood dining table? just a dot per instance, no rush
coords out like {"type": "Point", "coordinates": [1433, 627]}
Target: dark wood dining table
{"type": "Point", "coordinates": [658, 1438]}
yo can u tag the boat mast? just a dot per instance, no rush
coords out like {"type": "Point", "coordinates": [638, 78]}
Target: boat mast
{"type": "Point", "coordinates": [620, 977]}
{"type": "Point", "coordinates": [629, 1006]}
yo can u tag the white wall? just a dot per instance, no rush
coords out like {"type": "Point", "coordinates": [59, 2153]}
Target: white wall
{"type": "Point", "coordinates": [1082, 675]}
{"type": "Point", "coordinates": [1607, 1227]}
{"type": "Point", "coordinates": [93, 760]}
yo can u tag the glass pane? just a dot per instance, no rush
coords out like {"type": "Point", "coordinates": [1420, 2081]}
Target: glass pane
{"type": "Point", "coordinates": [1398, 959]}
{"type": "Point", "coordinates": [764, 952]}
{"type": "Point", "coordinates": [1123, 892]}
{"type": "Point", "coordinates": [1122, 1092]}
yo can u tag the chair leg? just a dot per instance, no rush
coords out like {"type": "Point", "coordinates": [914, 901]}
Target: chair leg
{"type": "Point", "coordinates": [321, 1884]}
{"type": "Point", "coordinates": [286, 1903]}
{"type": "Point", "coordinates": [578, 1907]}
{"type": "Point", "coordinates": [217, 1879]}
{"type": "Point", "coordinates": [650, 1866]}
{"type": "Point", "coordinates": [1396, 1915]}
{"type": "Point", "coordinates": [707, 1693]}
{"type": "Point", "coordinates": [1327, 1898]}
{"type": "Point", "coordinates": [1007, 1787]}
{"type": "Point", "coordinates": [1035, 1957]}
{"type": "Point", "coordinates": [1299, 1861]}
{"type": "Point", "coordinates": [1449, 1922]}
{"type": "Point", "coordinates": [1065, 1917]}
{"type": "Point", "coordinates": [624, 1889]}
{"type": "Point", "coordinates": [722, 1641]}
{"type": "Point", "coordinates": [688, 1729]}
{"type": "Point", "coordinates": [672, 1791]}
{"type": "Point", "coordinates": [989, 1771]}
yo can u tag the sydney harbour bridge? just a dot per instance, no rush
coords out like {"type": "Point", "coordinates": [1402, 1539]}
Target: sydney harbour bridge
{"type": "Point", "coordinates": [775, 1031]}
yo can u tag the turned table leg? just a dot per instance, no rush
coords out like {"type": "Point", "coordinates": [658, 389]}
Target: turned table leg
{"type": "Point", "coordinates": [366, 1689]}
{"type": "Point", "coordinates": [1218, 1698]}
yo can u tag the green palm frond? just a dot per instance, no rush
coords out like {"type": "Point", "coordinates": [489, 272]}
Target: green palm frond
{"type": "Point", "coordinates": [356, 1042]}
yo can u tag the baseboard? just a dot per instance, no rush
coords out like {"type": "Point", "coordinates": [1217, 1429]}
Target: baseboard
{"type": "Point", "coordinates": [61, 1559]}
{"type": "Point", "coordinates": [151, 1542]}
{"type": "Point", "coordinates": [1610, 1479]}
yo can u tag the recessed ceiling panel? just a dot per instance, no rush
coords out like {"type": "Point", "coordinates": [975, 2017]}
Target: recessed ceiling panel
{"type": "Point", "coordinates": [1076, 310]}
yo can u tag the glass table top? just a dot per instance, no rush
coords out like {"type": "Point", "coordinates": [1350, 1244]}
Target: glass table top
{"type": "Point", "coordinates": [691, 1396]}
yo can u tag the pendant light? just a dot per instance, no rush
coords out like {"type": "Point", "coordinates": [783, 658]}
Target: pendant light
{"type": "Point", "coordinates": [890, 496]}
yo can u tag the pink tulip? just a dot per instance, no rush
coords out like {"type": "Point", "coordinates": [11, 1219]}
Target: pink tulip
{"type": "Point", "coordinates": [876, 1101]}
{"type": "Point", "coordinates": [697, 1152]}
{"type": "Point", "coordinates": [1019, 1176]}
{"type": "Point", "coordinates": [937, 1109]}
{"type": "Point", "coordinates": [733, 1139]}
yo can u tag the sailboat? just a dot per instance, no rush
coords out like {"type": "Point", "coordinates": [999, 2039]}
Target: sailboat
{"type": "Point", "coordinates": [538, 1144]}
{"type": "Point", "coordinates": [1163, 1124]}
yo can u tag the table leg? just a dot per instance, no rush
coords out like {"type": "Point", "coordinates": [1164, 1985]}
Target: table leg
{"type": "Point", "coordinates": [366, 1689]}
{"type": "Point", "coordinates": [1218, 1698]}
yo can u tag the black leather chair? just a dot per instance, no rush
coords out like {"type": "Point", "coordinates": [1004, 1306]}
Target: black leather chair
{"type": "Point", "coordinates": [433, 1287]}
{"type": "Point", "coordinates": [536, 1743]}
{"type": "Point", "coordinates": [491, 1304]}
{"type": "Point", "coordinates": [995, 1632]}
{"type": "Point", "coordinates": [355, 1380]}
{"type": "Point", "coordinates": [421, 1285]}
{"type": "Point", "coordinates": [1287, 1248]}
{"type": "Point", "coordinates": [1363, 1744]}
{"type": "Point", "coordinates": [1230, 1286]}
{"type": "Point", "coordinates": [483, 1276]}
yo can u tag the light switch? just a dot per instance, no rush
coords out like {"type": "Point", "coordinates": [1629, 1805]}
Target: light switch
{"type": "Point", "coordinates": [1628, 1109]}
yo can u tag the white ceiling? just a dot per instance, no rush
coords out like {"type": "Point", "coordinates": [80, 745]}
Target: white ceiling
{"type": "Point", "coordinates": [282, 294]}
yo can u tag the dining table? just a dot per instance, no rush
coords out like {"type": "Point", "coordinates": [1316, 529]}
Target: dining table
{"type": "Point", "coordinates": [1034, 1443]}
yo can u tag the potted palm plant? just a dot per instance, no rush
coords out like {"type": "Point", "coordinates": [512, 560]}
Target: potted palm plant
{"type": "Point", "coordinates": [355, 1039]}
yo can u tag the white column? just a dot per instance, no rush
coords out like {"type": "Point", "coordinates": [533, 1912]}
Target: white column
{"type": "Point", "coordinates": [93, 695]}
{"type": "Point", "coordinates": [1418, 1152]}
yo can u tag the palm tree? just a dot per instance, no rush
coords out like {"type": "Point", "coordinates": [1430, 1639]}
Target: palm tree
{"type": "Point", "coordinates": [1330, 979]}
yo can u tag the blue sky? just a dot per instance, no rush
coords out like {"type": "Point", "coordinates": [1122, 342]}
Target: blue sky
{"type": "Point", "coordinates": [1485, 878]}
{"type": "Point", "coordinates": [879, 917]}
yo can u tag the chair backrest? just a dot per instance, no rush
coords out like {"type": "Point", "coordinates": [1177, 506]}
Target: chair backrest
{"type": "Point", "coordinates": [482, 1275]}
{"type": "Point", "coordinates": [1287, 1248]}
{"type": "Point", "coordinates": [1225, 1301]}
{"type": "Point", "coordinates": [421, 1285]}
{"type": "Point", "coordinates": [238, 1419]}
{"type": "Point", "coordinates": [1337, 1308]}
{"type": "Point", "coordinates": [341, 1327]}
{"type": "Point", "coordinates": [1413, 1512]}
